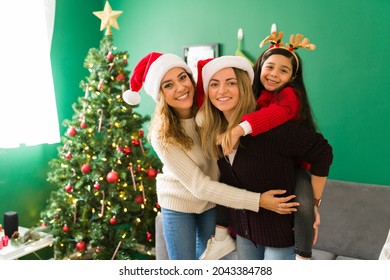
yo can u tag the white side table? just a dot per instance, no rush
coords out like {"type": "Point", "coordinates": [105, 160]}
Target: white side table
{"type": "Point", "coordinates": [13, 251]}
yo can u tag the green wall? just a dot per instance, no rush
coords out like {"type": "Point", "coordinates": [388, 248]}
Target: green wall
{"type": "Point", "coordinates": [346, 76]}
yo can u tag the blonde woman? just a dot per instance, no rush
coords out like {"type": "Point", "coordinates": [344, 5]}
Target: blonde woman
{"type": "Point", "coordinates": [258, 163]}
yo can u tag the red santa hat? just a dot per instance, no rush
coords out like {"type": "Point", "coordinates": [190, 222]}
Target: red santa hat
{"type": "Point", "coordinates": [149, 72]}
{"type": "Point", "coordinates": [208, 67]}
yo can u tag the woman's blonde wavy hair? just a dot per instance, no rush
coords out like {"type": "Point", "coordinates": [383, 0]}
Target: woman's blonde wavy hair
{"type": "Point", "coordinates": [214, 122]}
{"type": "Point", "coordinates": [166, 123]}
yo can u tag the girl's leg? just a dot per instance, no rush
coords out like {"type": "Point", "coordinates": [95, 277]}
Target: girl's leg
{"type": "Point", "coordinates": [221, 243]}
{"type": "Point", "coordinates": [222, 216]}
{"type": "Point", "coordinates": [180, 234]}
{"type": "Point", "coordinates": [205, 228]}
{"type": "Point", "coordinates": [304, 217]}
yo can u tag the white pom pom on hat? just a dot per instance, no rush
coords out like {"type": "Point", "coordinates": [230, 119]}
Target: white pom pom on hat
{"type": "Point", "coordinates": [149, 72]}
{"type": "Point", "coordinates": [131, 97]}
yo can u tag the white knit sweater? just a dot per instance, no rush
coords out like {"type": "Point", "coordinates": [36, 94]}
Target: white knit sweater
{"type": "Point", "coordinates": [188, 179]}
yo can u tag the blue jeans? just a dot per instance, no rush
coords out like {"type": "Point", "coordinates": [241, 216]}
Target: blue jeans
{"type": "Point", "coordinates": [248, 250]}
{"type": "Point", "coordinates": [186, 234]}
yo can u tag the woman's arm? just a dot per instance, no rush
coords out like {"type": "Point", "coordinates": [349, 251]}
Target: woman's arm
{"type": "Point", "coordinates": [188, 173]}
{"type": "Point", "coordinates": [318, 184]}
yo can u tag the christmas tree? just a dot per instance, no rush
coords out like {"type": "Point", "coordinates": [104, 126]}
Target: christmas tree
{"type": "Point", "coordinates": [105, 203]}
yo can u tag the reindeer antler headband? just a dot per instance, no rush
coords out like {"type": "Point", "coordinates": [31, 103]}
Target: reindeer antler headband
{"type": "Point", "coordinates": [296, 41]}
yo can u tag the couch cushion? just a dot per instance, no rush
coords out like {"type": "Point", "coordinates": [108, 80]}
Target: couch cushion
{"type": "Point", "coordinates": [344, 258]}
{"type": "Point", "coordinates": [355, 219]}
{"type": "Point", "coordinates": [322, 255]}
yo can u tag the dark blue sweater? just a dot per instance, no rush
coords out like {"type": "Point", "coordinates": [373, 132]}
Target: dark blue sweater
{"type": "Point", "coordinates": [265, 162]}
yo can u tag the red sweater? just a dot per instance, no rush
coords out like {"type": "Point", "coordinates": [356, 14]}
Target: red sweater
{"type": "Point", "coordinates": [266, 162]}
{"type": "Point", "coordinates": [274, 111]}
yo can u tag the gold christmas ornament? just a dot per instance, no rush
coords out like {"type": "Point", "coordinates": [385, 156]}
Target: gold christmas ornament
{"type": "Point", "coordinates": [108, 17]}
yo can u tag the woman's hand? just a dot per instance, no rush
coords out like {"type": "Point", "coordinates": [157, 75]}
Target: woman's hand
{"type": "Point", "coordinates": [280, 205]}
{"type": "Point", "coordinates": [316, 224]}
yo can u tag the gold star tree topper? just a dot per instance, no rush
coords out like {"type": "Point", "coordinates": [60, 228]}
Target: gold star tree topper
{"type": "Point", "coordinates": [108, 17]}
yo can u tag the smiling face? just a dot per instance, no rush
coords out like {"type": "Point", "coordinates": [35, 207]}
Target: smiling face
{"type": "Point", "coordinates": [276, 72]}
{"type": "Point", "coordinates": [178, 91]}
{"type": "Point", "coordinates": [223, 91]}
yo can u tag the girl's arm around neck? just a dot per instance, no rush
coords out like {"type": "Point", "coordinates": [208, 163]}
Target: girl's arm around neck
{"type": "Point", "coordinates": [281, 109]}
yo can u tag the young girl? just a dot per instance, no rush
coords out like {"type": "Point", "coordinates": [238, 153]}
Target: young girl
{"type": "Point", "coordinates": [281, 93]}
{"type": "Point", "coordinates": [259, 163]}
{"type": "Point", "coordinates": [185, 189]}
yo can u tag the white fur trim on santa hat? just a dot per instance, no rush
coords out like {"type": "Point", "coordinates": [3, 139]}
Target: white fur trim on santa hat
{"type": "Point", "coordinates": [131, 97]}
{"type": "Point", "coordinates": [157, 71]}
{"type": "Point", "coordinates": [222, 62]}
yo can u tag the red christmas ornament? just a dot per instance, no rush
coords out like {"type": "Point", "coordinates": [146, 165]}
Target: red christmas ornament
{"type": "Point", "coordinates": [86, 168]}
{"type": "Point", "coordinates": [71, 131]}
{"type": "Point", "coordinates": [139, 199]}
{"type": "Point", "coordinates": [68, 188]}
{"type": "Point", "coordinates": [135, 142]}
{"type": "Point", "coordinates": [83, 124]}
{"type": "Point", "coordinates": [68, 155]}
{"type": "Point", "coordinates": [151, 173]}
{"type": "Point", "coordinates": [148, 236]}
{"type": "Point", "coordinates": [119, 149]}
{"type": "Point", "coordinates": [110, 56]}
{"type": "Point", "coordinates": [113, 221]}
{"type": "Point", "coordinates": [120, 77]}
{"type": "Point", "coordinates": [96, 186]}
{"type": "Point", "coordinates": [112, 177]}
{"type": "Point", "coordinates": [80, 246]}
{"type": "Point", "coordinates": [124, 61]}
{"type": "Point", "coordinates": [139, 168]}
{"type": "Point", "coordinates": [127, 150]}
{"type": "Point", "coordinates": [65, 228]}
{"type": "Point", "coordinates": [141, 132]}
{"type": "Point", "coordinates": [157, 205]}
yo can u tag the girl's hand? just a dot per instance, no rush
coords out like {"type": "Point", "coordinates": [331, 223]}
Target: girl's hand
{"type": "Point", "coordinates": [280, 205]}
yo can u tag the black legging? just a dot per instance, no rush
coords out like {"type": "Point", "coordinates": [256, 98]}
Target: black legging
{"type": "Point", "coordinates": [304, 217]}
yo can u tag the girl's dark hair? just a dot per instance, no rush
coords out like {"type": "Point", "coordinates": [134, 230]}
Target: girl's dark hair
{"type": "Point", "coordinates": [305, 112]}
